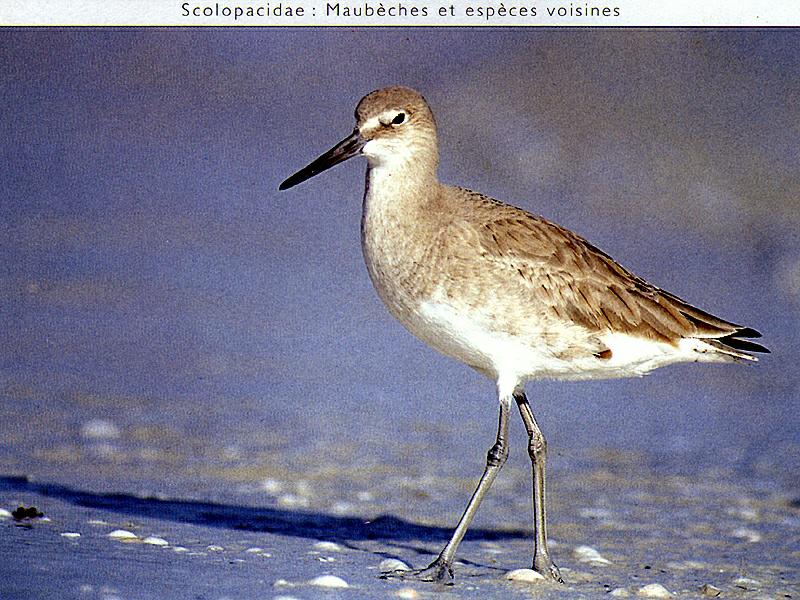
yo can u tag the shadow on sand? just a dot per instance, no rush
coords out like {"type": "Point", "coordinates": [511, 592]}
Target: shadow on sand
{"type": "Point", "coordinates": [248, 518]}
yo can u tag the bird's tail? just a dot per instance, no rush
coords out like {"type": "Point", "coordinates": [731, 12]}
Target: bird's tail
{"type": "Point", "coordinates": [736, 344]}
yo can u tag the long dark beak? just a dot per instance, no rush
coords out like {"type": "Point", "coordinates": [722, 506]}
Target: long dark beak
{"type": "Point", "coordinates": [347, 148]}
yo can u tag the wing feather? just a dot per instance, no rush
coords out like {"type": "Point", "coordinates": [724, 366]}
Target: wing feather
{"type": "Point", "coordinates": [569, 276]}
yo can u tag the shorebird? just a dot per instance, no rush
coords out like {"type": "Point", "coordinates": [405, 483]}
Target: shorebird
{"type": "Point", "coordinates": [508, 293]}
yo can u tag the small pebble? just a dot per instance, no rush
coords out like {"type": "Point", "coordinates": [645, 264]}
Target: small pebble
{"type": "Point", "coordinates": [407, 594]}
{"type": "Point", "coordinates": [751, 535]}
{"type": "Point", "coordinates": [292, 501]}
{"type": "Point", "coordinates": [710, 590]}
{"type": "Point", "coordinates": [70, 534]}
{"type": "Point", "coordinates": [748, 514]}
{"type": "Point", "coordinates": [525, 576]}
{"type": "Point", "coordinates": [254, 550]}
{"type": "Point", "coordinates": [280, 583]}
{"type": "Point", "coordinates": [26, 513]}
{"type": "Point", "coordinates": [123, 534]}
{"type": "Point", "coordinates": [654, 590]}
{"type": "Point", "coordinates": [588, 554]}
{"type": "Point", "coordinates": [96, 522]}
{"type": "Point", "coordinates": [327, 547]}
{"type": "Point", "coordinates": [746, 583]}
{"type": "Point", "coordinates": [273, 487]}
{"type": "Point", "coordinates": [155, 541]}
{"type": "Point", "coordinates": [743, 512]}
{"type": "Point", "coordinates": [342, 508]}
{"type": "Point", "coordinates": [683, 565]}
{"type": "Point", "coordinates": [214, 548]}
{"type": "Point", "coordinates": [99, 429]}
{"type": "Point", "coordinates": [390, 565]}
{"type": "Point", "coordinates": [329, 581]}
{"type": "Point", "coordinates": [179, 549]}
{"type": "Point", "coordinates": [4, 514]}
{"type": "Point", "coordinates": [619, 593]}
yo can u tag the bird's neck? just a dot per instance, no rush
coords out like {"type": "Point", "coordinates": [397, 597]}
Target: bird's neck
{"type": "Point", "coordinates": [397, 231]}
{"type": "Point", "coordinates": [397, 204]}
{"type": "Point", "coordinates": [399, 189]}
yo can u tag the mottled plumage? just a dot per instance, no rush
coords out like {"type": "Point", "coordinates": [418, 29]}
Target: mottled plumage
{"type": "Point", "coordinates": [569, 279]}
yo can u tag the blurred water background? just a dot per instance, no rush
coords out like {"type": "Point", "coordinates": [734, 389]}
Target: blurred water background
{"type": "Point", "coordinates": [152, 275]}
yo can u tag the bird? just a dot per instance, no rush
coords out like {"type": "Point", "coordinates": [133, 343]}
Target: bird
{"type": "Point", "coordinates": [508, 293]}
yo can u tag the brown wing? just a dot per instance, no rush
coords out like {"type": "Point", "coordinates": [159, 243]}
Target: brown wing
{"type": "Point", "coordinates": [578, 281]}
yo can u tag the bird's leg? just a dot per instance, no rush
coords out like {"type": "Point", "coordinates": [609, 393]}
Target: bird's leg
{"type": "Point", "coordinates": [442, 568]}
{"type": "Point", "coordinates": [537, 449]}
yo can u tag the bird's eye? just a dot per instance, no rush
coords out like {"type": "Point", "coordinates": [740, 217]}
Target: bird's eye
{"type": "Point", "coordinates": [399, 119]}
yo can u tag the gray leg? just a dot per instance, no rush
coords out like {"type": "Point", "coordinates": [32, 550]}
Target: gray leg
{"type": "Point", "coordinates": [537, 449]}
{"type": "Point", "coordinates": [442, 568]}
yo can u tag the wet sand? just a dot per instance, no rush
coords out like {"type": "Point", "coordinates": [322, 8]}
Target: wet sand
{"type": "Point", "coordinates": [133, 511]}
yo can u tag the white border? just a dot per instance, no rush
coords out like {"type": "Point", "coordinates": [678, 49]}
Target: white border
{"type": "Point", "coordinates": [705, 13]}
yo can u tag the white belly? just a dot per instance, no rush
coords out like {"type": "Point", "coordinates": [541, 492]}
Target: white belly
{"type": "Point", "coordinates": [567, 352]}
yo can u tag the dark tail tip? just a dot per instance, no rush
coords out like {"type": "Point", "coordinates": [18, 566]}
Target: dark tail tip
{"type": "Point", "coordinates": [747, 332]}
{"type": "Point", "coordinates": [734, 341]}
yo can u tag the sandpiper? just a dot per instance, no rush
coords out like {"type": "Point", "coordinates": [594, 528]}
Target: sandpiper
{"type": "Point", "coordinates": [508, 293]}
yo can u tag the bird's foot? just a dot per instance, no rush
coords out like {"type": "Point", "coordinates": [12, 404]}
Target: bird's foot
{"type": "Point", "coordinates": [547, 569]}
{"type": "Point", "coordinates": [437, 572]}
